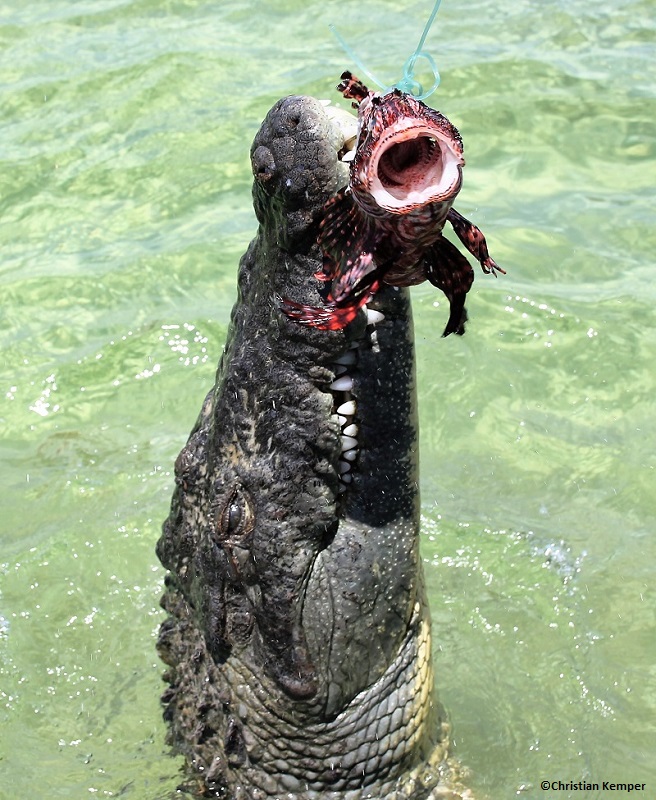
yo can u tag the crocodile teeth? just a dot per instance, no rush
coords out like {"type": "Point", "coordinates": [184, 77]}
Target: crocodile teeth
{"type": "Point", "coordinates": [348, 443]}
{"type": "Point", "coordinates": [348, 358]}
{"type": "Point", "coordinates": [342, 384]}
{"type": "Point", "coordinates": [373, 317]}
{"type": "Point", "coordinates": [344, 413]}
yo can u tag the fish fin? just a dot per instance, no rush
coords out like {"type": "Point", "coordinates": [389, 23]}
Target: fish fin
{"type": "Point", "coordinates": [340, 219]}
{"type": "Point", "coordinates": [352, 88]}
{"type": "Point", "coordinates": [329, 317]}
{"type": "Point", "coordinates": [474, 240]}
{"type": "Point", "coordinates": [344, 238]}
{"type": "Point", "coordinates": [342, 226]}
{"type": "Point", "coordinates": [449, 270]}
{"type": "Point", "coordinates": [348, 264]}
{"type": "Point", "coordinates": [354, 280]}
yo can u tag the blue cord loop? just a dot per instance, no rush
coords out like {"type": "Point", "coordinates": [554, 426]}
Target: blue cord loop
{"type": "Point", "coordinates": [408, 83]}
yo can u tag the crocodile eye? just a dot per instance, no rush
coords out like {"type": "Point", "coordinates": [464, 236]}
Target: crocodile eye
{"type": "Point", "coordinates": [233, 517]}
{"type": "Point", "coordinates": [236, 520]}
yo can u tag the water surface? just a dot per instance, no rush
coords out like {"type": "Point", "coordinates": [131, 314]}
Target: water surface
{"type": "Point", "coordinates": [124, 207]}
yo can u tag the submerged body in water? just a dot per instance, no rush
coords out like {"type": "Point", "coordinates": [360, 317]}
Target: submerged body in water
{"type": "Point", "coordinates": [386, 225]}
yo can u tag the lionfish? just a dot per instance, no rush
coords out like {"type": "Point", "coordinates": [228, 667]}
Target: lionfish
{"type": "Point", "coordinates": [386, 225]}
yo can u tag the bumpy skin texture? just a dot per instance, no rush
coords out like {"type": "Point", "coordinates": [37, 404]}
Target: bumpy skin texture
{"type": "Point", "coordinates": [298, 640]}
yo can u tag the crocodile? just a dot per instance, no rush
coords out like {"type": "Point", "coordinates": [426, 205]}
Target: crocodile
{"type": "Point", "coordinates": [297, 638]}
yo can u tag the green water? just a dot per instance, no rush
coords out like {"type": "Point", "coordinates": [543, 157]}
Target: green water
{"type": "Point", "coordinates": [124, 207]}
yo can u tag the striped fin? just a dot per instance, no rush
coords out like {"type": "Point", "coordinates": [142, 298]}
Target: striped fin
{"type": "Point", "coordinates": [449, 270]}
{"type": "Point", "coordinates": [474, 240]}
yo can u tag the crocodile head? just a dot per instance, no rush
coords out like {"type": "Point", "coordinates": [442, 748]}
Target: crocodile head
{"type": "Point", "coordinates": [298, 640]}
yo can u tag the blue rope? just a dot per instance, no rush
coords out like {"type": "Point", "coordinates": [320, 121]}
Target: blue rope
{"type": "Point", "coordinates": [408, 82]}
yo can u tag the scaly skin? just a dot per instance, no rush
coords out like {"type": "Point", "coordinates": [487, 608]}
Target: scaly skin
{"type": "Point", "coordinates": [298, 638]}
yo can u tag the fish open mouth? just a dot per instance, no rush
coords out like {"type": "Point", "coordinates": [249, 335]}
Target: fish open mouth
{"type": "Point", "coordinates": [414, 166]}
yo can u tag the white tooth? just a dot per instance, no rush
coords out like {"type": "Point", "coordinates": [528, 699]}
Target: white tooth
{"type": "Point", "coordinates": [342, 486]}
{"type": "Point", "coordinates": [343, 384]}
{"type": "Point", "coordinates": [354, 346]}
{"type": "Point", "coordinates": [350, 455]}
{"type": "Point", "coordinates": [347, 409]}
{"type": "Point", "coordinates": [339, 369]}
{"type": "Point", "coordinates": [349, 357]}
{"type": "Point", "coordinates": [346, 477]}
{"type": "Point", "coordinates": [340, 419]}
{"type": "Point", "coordinates": [350, 430]}
{"type": "Point", "coordinates": [344, 466]}
{"type": "Point", "coordinates": [348, 443]}
{"type": "Point", "coordinates": [374, 316]}
{"type": "Point", "coordinates": [349, 156]}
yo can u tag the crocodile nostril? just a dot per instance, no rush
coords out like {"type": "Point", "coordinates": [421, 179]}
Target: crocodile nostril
{"type": "Point", "coordinates": [263, 164]}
